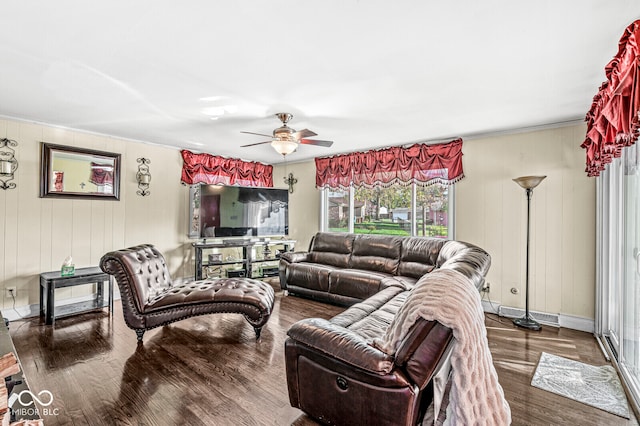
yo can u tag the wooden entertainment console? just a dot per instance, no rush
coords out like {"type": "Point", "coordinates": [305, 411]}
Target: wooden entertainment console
{"type": "Point", "coordinates": [239, 257]}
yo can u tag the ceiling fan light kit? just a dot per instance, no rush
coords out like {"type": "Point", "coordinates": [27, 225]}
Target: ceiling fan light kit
{"type": "Point", "coordinates": [284, 147]}
{"type": "Point", "coordinates": [285, 140]}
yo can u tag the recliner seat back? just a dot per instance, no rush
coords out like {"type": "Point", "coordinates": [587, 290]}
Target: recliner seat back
{"type": "Point", "coordinates": [419, 256]}
{"type": "Point", "coordinates": [376, 253]}
{"type": "Point", "coordinates": [332, 249]}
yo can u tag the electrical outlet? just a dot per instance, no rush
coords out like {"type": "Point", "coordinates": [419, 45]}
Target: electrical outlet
{"type": "Point", "coordinates": [10, 291]}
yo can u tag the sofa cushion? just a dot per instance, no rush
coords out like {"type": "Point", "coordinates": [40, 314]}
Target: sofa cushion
{"type": "Point", "coordinates": [362, 309]}
{"type": "Point", "coordinates": [376, 253]}
{"type": "Point", "coordinates": [370, 318]}
{"type": "Point", "coordinates": [419, 256]}
{"type": "Point", "coordinates": [226, 290]}
{"type": "Point", "coordinates": [314, 276]}
{"type": "Point", "coordinates": [401, 281]}
{"type": "Point", "coordinates": [375, 324]}
{"type": "Point", "coordinates": [355, 283]}
{"type": "Point", "coordinates": [332, 249]}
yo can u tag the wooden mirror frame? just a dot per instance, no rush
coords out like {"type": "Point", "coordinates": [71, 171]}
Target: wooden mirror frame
{"type": "Point", "coordinates": [47, 152]}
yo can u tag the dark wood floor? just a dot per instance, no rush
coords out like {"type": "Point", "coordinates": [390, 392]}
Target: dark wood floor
{"type": "Point", "coordinates": [210, 370]}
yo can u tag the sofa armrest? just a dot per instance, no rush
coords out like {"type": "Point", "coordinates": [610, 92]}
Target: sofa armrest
{"type": "Point", "coordinates": [286, 259]}
{"type": "Point", "coordinates": [341, 343]}
{"type": "Point", "coordinates": [295, 256]}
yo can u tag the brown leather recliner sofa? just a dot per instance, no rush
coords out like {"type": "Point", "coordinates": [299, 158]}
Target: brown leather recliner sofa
{"type": "Point", "coordinates": [334, 373]}
{"type": "Point", "coordinates": [348, 268]}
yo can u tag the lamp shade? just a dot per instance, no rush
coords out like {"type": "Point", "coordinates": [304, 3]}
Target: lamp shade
{"type": "Point", "coordinates": [284, 147]}
{"type": "Point", "coordinates": [529, 182]}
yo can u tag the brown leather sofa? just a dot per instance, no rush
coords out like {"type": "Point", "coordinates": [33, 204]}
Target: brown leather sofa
{"type": "Point", "coordinates": [151, 299]}
{"type": "Point", "coordinates": [348, 268]}
{"type": "Point", "coordinates": [334, 373]}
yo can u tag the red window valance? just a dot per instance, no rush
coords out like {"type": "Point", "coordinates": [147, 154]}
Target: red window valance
{"type": "Point", "coordinates": [612, 121]}
{"type": "Point", "coordinates": [207, 168]}
{"type": "Point", "coordinates": [420, 163]}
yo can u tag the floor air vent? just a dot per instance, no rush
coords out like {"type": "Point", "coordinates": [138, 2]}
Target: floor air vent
{"type": "Point", "coordinates": [543, 318]}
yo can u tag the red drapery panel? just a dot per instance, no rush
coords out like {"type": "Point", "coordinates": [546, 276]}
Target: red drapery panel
{"type": "Point", "coordinates": [207, 168]}
{"type": "Point", "coordinates": [612, 121]}
{"type": "Point", "coordinates": [420, 163]}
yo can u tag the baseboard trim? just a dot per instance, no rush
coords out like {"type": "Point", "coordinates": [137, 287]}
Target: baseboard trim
{"type": "Point", "coordinates": [564, 320]}
{"type": "Point", "coordinates": [30, 311]}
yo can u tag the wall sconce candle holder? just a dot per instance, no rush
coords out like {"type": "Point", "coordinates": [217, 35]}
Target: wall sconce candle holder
{"type": "Point", "coordinates": [8, 163]}
{"type": "Point", "coordinates": [290, 180]}
{"type": "Point", "coordinates": [143, 177]}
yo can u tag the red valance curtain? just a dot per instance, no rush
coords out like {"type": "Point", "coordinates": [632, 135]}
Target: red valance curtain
{"type": "Point", "coordinates": [612, 121]}
{"type": "Point", "coordinates": [207, 168]}
{"type": "Point", "coordinates": [420, 163]}
{"type": "Point", "coordinates": [101, 174]}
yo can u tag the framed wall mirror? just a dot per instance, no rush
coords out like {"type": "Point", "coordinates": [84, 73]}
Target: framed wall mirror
{"type": "Point", "coordinates": [72, 172]}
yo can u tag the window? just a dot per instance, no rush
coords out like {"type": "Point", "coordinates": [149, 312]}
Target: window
{"type": "Point", "coordinates": [390, 210]}
{"type": "Point", "coordinates": [618, 264]}
{"type": "Point", "coordinates": [338, 207]}
{"type": "Point", "coordinates": [432, 211]}
{"type": "Point", "coordinates": [385, 190]}
{"type": "Point", "coordinates": [383, 210]}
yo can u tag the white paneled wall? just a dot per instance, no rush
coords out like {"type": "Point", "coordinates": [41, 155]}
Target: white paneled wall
{"type": "Point", "coordinates": [304, 203]}
{"type": "Point", "coordinates": [491, 212]}
{"type": "Point", "coordinates": [38, 233]}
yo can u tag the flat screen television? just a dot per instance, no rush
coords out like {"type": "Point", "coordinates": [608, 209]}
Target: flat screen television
{"type": "Point", "coordinates": [237, 211]}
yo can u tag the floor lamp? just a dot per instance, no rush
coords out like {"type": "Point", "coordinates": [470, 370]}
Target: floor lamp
{"type": "Point", "coordinates": [528, 183]}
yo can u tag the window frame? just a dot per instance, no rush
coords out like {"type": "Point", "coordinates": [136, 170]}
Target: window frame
{"type": "Point", "coordinates": [324, 214]}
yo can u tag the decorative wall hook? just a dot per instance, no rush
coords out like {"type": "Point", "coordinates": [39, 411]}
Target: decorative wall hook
{"type": "Point", "coordinates": [143, 177]}
{"type": "Point", "coordinates": [290, 180]}
{"type": "Point", "coordinates": [8, 163]}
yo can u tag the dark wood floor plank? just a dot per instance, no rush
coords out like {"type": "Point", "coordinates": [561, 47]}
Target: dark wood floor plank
{"type": "Point", "coordinates": [516, 353]}
{"type": "Point", "coordinates": [211, 370]}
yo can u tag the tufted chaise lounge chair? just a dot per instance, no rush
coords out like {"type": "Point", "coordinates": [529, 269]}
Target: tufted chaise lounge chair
{"type": "Point", "coordinates": [150, 298]}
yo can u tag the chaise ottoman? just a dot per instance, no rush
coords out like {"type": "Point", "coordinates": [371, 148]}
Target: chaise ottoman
{"type": "Point", "coordinates": [151, 299]}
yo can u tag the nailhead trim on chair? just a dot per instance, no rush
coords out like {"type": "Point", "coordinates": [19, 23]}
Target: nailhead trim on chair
{"type": "Point", "coordinates": [113, 265]}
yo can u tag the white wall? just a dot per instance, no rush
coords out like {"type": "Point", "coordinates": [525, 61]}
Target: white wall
{"type": "Point", "coordinates": [37, 234]}
{"type": "Point", "coordinates": [304, 202]}
{"type": "Point", "coordinates": [491, 212]}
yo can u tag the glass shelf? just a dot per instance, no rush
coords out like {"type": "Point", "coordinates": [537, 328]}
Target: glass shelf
{"type": "Point", "coordinates": [250, 261]}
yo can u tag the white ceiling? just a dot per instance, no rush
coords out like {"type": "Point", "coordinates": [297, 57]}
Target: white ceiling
{"type": "Point", "coordinates": [365, 74]}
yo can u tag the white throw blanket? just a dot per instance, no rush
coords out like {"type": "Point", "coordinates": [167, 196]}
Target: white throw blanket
{"type": "Point", "coordinates": [450, 298]}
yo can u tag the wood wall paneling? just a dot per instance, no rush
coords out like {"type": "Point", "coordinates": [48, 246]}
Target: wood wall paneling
{"type": "Point", "coordinates": [37, 234]}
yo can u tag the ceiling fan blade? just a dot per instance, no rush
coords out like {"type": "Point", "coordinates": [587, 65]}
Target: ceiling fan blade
{"type": "Point", "coordinates": [259, 134]}
{"type": "Point", "coordinates": [253, 144]}
{"type": "Point", "coordinates": [316, 142]}
{"type": "Point", "coordinates": [304, 133]}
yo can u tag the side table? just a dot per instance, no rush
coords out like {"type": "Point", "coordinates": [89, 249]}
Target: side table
{"type": "Point", "coordinates": [50, 281]}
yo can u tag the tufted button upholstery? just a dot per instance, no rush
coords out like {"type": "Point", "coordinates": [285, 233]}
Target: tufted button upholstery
{"type": "Point", "coordinates": [151, 299]}
{"type": "Point", "coordinates": [229, 290]}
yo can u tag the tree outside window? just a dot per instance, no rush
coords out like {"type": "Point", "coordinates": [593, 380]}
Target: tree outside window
{"type": "Point", "coordinates": [387, 210]}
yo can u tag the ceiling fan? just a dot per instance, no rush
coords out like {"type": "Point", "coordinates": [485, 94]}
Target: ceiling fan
{"type": "Point", "coordinates": [285, 140]}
